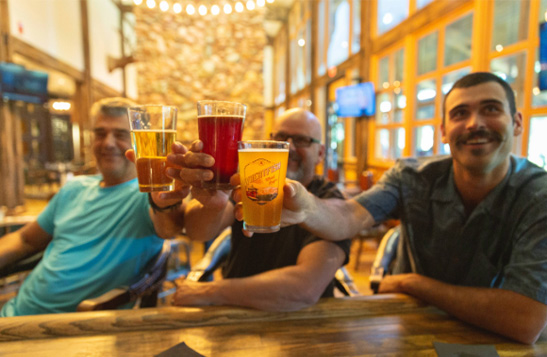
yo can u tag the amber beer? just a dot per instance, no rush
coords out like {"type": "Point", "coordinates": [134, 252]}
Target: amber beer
{"type": "Point", "coordinates": [152, 148]}
{"type": "Point", "coordinates": [153, 131]}
{"type": "Point", "coordinates": [262, 167]}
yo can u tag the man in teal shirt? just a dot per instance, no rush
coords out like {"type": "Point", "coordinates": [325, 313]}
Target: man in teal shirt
{"type": "Point", "coordinates": [98, 232]}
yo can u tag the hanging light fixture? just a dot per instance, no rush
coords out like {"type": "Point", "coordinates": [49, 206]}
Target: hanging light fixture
{"type": "Point", "coordinates": [190, 9]}
{"type": "Point", "coordinates": [202, 10]}
{"type": "Point", "coordinates": [164, 6]}
{"type": "Point", "coordinates": [193, 6]}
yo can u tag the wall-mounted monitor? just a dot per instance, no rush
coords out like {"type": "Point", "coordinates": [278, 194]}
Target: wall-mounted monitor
{"type": "Point", "coordinates": [356, 100]}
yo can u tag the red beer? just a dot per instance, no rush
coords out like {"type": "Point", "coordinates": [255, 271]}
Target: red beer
{"type": "Point", "coordinates": [220, 134]}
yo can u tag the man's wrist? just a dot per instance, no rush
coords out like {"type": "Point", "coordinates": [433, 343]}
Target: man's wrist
{"type": "Point", "coordinates": [157, 208]}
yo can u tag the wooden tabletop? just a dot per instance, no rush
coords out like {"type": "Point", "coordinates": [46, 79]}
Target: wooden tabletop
{"type": "Point", "coordinates": [389, 325]}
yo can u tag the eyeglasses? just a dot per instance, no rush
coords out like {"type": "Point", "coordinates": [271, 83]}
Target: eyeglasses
{"type": "Point", "coordinates": [300, 141]}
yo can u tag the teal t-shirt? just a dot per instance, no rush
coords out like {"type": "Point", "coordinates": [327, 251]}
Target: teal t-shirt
{"type": "Point", "coordinates": [102, 239]}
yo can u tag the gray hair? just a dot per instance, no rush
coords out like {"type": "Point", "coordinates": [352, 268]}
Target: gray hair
{"type": "Point", "coordinates": [111, 107]}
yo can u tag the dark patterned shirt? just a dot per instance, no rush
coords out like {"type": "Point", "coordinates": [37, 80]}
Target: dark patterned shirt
{"type": "Point", "coordinates": [264, 252]}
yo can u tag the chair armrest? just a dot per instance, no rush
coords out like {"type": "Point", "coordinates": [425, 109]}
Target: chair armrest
{"type": "Point", "coordinates": [148, 284]}
{"type": "Point", "coordinates": [213, 258]}
{"type": "Point", "coordinates": [344, 282]}
{"type": "Point", "coordinates": [387, 251]}
{"type": "Point", "coordinates": [110, 300]}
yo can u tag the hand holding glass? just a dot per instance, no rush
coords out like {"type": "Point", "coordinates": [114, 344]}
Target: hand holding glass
{"type": "Point", "coordinates": [262, 167]}
{"type": "Point", "coordinates": [153, 131]}
{"type": "Point", "coordinates": [220, 125]}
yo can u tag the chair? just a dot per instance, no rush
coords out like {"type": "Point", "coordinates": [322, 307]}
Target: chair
{"type": "Point", "coordinates": [386, 254]}
{"type": "Point", "coordinates": [218, 252]}
{"type": "Point", "coordinates": [145, 291]}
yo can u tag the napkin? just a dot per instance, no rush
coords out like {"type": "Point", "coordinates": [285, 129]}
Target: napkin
{"type": "Point", "coordinates": [457, 350]}
{"type": "Point", "coordinates": [179, 350]}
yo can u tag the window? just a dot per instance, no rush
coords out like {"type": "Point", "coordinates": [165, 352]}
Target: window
{"type": "Point", "coordinates": [427, 53]}
{"type": "Point", "coordinates": [537, 146]}
{"type": "Point", "coordinates": [510, 23]}
{"type": "Point", "coordinates": [422, 3]}
{"type": "Point", "coordinates": [426, 92]}
{"type": "Point", "coordinates": [457, 44]}
{"type": "Point", "coordinates": [424, 140]}
{"type": "Point", "coordinates": [390, 14]}
{"type": "Point", "coordinates": [339, 15]}
{"type": "Point", "coordinates": [356, 35]}
{"type": "Point", "coordinates": [321, 65]}
{"type": "Point", "coordinates": [511, 69]}
{"type": "Point", "coordinates": [390, 140]}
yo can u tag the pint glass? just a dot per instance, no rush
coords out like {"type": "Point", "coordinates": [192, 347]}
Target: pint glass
{"type": "Point", "coordinates": [153, 131]}
{"type": "Point", "coordinates": [220, 125]}
{"type": "Point", "coordinates": [262, 167]}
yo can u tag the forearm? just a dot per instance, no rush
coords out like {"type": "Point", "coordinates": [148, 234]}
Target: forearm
{"type": "Point", "coordinates": [265, 292]}
{"type": "Point", "coordinates": [169, 223]}
{"type": "Point", "coordinates": [336, 219]}
{"type": "Point", "coordinates": [204, 223]}
{"type": "Point", "coordinates": [13, 248]}
{"type": "Point", "coordinates": [502, 311]}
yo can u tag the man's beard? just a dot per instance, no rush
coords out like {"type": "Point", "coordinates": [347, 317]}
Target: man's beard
{"type": "Point", "coordinates": [297, 175]}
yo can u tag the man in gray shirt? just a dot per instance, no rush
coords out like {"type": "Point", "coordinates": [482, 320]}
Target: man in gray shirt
{"type": "Point", "coordinates": [474, 225]}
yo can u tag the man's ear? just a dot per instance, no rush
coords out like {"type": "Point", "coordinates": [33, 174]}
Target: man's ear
{"type": "Point", "coordinates": [443, 134]}
{"type": "Point", "coordinates": [321, 154]}
{"type": "Point", "coordinates": [517, 124]}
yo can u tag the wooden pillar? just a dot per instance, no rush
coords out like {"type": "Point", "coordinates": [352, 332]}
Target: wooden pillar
{"type": "Point", "coordinates": [314, 39]}
{"type": "Point", "coordinates": [84, 90]}
{"type": "Point", "coordinates": [289, 64]}
{"type": "Point", "coordinates": [362, 130]}
{"type": "Point", "coordinates": [5, 38]}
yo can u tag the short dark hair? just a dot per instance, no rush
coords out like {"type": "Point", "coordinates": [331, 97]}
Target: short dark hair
{"type": "Point", "coordinates": [112, 107]}
{"type": "Point", "coordinates": [477, 78]}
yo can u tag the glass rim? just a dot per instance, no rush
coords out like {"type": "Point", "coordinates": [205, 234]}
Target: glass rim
{"type": "Point", "coordinates": [220, 101]}
{"type": "Point", "coordinates": [280, 144]}
{"type": "Point", "coordinates": [153, 106]}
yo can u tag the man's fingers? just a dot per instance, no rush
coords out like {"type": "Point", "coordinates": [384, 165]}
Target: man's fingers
{"type": "Point", "coordinates": [235, 180]}
{"type": "Point", "coordinates": [130, 155]}
{"type": "Point", "coordinates": [238, 211]}
{"type": "Point", "coordinates": [196, 146]}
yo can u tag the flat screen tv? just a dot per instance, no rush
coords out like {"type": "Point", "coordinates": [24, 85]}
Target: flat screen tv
{"type": "Point", "coordinates": [356, 100]}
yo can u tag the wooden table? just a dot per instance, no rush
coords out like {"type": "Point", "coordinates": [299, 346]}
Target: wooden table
{"type": "Point", "coordinates": [388, 325]}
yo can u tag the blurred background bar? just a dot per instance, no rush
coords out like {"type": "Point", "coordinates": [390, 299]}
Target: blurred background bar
{"type": "Point", "coordinates": [374, 72]}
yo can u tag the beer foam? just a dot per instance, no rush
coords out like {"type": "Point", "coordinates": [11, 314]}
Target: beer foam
{"type": "Point", "coordinates": [221, 116]}
{"type": "Point", "coordinates": [154, 130]}
{"type": "Point", "coordinates": [262, 150]}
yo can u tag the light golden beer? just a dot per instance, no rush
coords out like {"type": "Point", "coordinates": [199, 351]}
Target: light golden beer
{"type": "Point", "coordinates": [262, 172]}
{"type": "Point", "coordinates": [151, 149]}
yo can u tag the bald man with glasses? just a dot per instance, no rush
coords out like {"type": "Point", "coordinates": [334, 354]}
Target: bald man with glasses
{"type": "Point", "coordinates": [283, 271]}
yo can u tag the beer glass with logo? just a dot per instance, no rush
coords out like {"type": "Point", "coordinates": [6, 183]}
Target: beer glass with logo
{"type": "Point", "coordinates": [220, 125]}
{"type": "Point", "coordinates": [153, 130]}
{"type": "Point", "coordinates": [262, 167]}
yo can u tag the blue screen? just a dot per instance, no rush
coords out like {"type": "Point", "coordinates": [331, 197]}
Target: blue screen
{"type": "Point", "coordinates": [542, 76]}
{"type": "Point", "coordinates": [356, 100]}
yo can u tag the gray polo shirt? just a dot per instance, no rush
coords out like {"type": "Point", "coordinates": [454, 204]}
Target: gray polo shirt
{"type": "Point", "coordinates": [502, 243]}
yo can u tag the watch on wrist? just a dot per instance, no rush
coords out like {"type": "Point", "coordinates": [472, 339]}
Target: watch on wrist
{"type": "Point", "coordinates": [157, 208]}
